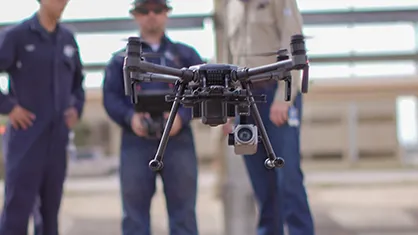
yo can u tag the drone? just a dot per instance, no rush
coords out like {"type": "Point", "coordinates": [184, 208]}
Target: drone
{"type": "Point", "coordinates": [216, 92]}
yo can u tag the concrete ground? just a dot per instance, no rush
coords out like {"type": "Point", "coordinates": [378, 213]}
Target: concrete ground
{"type": "Point", "coordinates": [342, 203]}
{"type": "Point", "coordinates": [351, 203]}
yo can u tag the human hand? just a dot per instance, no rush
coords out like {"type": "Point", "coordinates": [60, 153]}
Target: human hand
{"type": "Point", "coordinates": [21, 118]}
{"type": "Point", "coordinates": [279, 112]}
{"type": "Point", "coordinates": [71, 117]}
{"type": "Point", "coordinates": [177, 124]}
{"type": "Point", "coordinates": [227, 127]}
{"type": "Point", "coordinates": [137, 124]}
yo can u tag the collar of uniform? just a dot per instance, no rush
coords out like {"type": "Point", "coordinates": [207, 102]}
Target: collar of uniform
{"type": "Point", "coordinates": [36, 26]}
{"type": "Point", "coordinates": [164, 42]}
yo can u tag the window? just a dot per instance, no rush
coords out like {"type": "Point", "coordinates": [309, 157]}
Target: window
{"type": "Point", "coordinates": [360, 39]}
{"type": "Point", "coordinates": [379, 69]}
{"type": "Point", "coordinates": [361, 69]}
{"type": "Point", "coordinates": [383, 38]}
{"type": "Point", "coordinates": [15, 11]}
{"type": "Point", "coordinates": [327, 71]}
{"type": "Point", "coordinates": [98, 48]}
{"type": "Point", "coordinates": [93, 79]}
{"type": "Point", "coordinates": [322, 5]}
{"type": "Point", "coordinates": [406, 112]}
{"type": "Point", "coordinates": [328, 39]}
{"type": "Point", "coordinates": [333, 5]}
{"type": "Point", "coordinates": [89, 9]}
{"type": "Point", "coordinates": [203, 40]}
{"type": "Point", "coordinates": [382, 4]}
{"type": "Point", "coordinates": [82, 9]}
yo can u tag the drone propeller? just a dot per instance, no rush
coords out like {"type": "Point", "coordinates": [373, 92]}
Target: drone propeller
{"type": "Point", "coordinates": [266, 54]}
{"type": "Point", "coordinates": [125, 39]}
{"type": "Point", "coordinates": [279, 52]}
{"type": "Point", "coordinates": [273, 53]}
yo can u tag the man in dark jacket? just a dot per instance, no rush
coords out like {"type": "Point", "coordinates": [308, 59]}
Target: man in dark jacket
{"type": "Point", "coordinates": [180, 172]}
{"type": "Point", "coordinates": [45, 100]}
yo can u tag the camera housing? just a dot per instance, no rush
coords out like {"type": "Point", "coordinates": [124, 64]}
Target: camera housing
{"type": "Point", "coordinates": [244, 138]}
{"type": "Point", "coordinates": [213, 112]}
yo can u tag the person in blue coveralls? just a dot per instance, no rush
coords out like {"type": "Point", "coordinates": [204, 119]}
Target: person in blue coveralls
{"type": "Point", "coordinates": [179, 176]}
{"type": "Point", "coordinates": [45, 100]}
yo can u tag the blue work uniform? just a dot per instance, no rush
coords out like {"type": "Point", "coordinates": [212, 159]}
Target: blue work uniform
{"type": "Point", "coordinates": [46, 78]}
{"type": "Point", "coordinates": [180, 164]}
{"type": "Point", "coordinates": [280, 193]}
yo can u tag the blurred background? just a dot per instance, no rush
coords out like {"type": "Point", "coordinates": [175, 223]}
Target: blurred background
{"type": "Point", "coordinates": [360, 124]}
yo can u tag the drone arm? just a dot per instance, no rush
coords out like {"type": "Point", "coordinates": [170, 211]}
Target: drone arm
{"type": "Point", "coordinates": [277, 75]}
{"type": "Point", "coordinates": [193, 58]}
{"type": "Point", "coordinates": [184, 74]}
{"type": "Point", "coordinates": [154, 77]}
{"type": "Point", "coordinates": [249, 72]}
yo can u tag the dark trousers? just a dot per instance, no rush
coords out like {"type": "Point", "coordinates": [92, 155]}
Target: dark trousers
{"type": "Point", "coordinates": [138, 184]}
{"type": "Point", "coordinates": [37, 218]}
{"type": "Point", "coordinates": [34, 168]}
{"type": "Point", "coordinates": [280, 193]}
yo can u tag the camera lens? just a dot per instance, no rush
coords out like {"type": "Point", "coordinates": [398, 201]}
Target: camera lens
{"type": "Point", "coordinates": [245, 134]}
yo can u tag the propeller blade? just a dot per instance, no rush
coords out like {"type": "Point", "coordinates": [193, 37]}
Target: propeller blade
{"type": "Point", "coordinates": [272, 53]}
{"type": "Point", "coordinates": [279, 52]}
{"type": "Point", "coordinates": [308, 37]}
{"type": "Point", "coordinates": [264, 54]}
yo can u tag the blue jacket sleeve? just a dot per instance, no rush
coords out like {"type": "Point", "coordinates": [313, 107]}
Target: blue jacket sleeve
{"type": "Point", "coordinates": [78, 91]}
{"type": "Point", "coordinates": [186, 113]}
{"type": "Point", "coordinates": [114, 94]}
{"type": "Point", "coordinates": [7, 59]}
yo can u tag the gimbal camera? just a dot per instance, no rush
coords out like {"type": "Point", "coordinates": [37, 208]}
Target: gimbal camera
{"type": "Point", "coordinates": [216, 92]}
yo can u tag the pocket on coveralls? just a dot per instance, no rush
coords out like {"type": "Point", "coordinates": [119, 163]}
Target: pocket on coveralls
{"type": "Point", "coordinates": [69, 64]}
